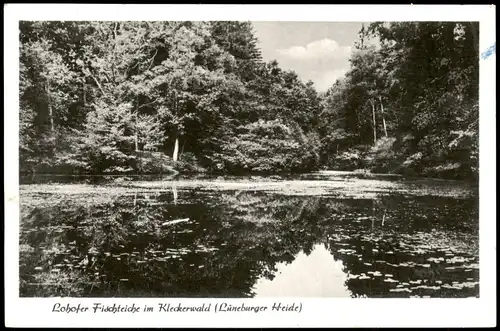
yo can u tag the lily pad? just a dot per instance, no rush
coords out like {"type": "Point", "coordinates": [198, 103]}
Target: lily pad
{"type": "Point", "coordinates": [390, 280]}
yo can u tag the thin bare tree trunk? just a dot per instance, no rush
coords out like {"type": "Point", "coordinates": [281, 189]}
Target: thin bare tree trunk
{"type": "Point", "coordinates": [87, 72]}
{"type": "Point", "coordinates": [136, 136]}
{"type": "Point", "coordinates": [114, 53]}
{"type": "Point", "coordinates": [362, 35]}
{"type": "Point", "coordinates": [182, 149]}
{"type": "Point", "coordinates": [49, 102]}
{"type": "Point", "coordinates": [175, 155]}
{"type": "Point", "coordinates": [374, 123]}
{"type": "Point", "coordinates": [84, 95]}
{"type": "Point", "coordinates": [383, 116]}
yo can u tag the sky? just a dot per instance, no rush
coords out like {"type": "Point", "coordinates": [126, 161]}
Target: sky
{"type": "Point", "coordinates": [317, 51]}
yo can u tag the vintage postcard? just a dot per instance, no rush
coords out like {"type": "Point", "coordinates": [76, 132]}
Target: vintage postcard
{"type": "Point", "coordinates": [249, 166]}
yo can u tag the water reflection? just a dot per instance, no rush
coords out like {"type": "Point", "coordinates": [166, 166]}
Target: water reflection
{"type": "Point", "coordinates": [315, 275]}
{"type": "Point", "coordinates": [194, 242]}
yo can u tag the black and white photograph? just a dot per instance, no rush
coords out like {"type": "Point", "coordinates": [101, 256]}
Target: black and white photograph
{"type": "Point", "coordinates": [249, 159]}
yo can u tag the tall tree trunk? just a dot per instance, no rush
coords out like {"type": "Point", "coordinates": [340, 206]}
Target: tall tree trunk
{"type": "Point", "coordinates": [383, 116]}
{"type": "Point", "coordinates": [175, 155]}
{"type": "Point", "coordinates": [182, 149]}
{"type": "Point", "coordinates": [49, 102]}
{"type": "Point", "coordinates": [113, 75]}
{"type": "Point", "coordinates": [84, 95]}
{"type": "Point", "coordinates": [362, 35]}
{"type": "Point", "coordinates": [136, 136]}
{"type": "Point", "coordinates": [374, 123]}
{"type": "Point", "coordinates": [450, 42]}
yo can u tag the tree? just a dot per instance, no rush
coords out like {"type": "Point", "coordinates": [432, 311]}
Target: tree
{"type": "Point", "coordinates": [48, 94]}
{"type": "Point", "coordinates": [422, 78]}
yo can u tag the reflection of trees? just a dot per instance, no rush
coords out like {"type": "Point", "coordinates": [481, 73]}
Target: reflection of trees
{"type": "Point", "coordinates": [397, 237]}
{"type": "Point", "coordinates": [226, 241]}
{"type": "Point", "coordinates": [122, 248]}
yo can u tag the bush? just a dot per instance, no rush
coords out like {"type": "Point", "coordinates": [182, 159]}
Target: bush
{"type": "Point", "coordinates": [348, 160]}
{"type": "Point", "coordinates": [188, 163]}
{"type": "Point", "coordinates": [154, 163]}
{"type": "Point", "coordinates": [411, 166]}
{"type": "Point", "coordinates": [267, 147]}
{"type": "Point", "coordinates": [383, 157]}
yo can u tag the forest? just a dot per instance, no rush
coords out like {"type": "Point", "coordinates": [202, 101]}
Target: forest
{"type": "Point", "coordinates": [197, 97]}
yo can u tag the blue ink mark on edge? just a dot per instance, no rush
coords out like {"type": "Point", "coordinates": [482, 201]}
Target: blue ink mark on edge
{"type": "Point", "coordinates": [491, 50]}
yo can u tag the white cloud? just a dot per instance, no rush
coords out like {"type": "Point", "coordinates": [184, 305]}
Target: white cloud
{"type": "Point", "coordinates": [326, 80]}
{"type": "Point", "coordinates": [319, 49]}
{"type": "Point", "coordinates": [323, 61]}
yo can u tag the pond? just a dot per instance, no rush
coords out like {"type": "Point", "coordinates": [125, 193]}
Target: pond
{"type": "Point", "coordinates": [326, 234]}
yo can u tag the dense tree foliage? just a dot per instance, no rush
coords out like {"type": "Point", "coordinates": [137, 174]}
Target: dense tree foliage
{"type": "Point", "coordinates": [135, 97]}
{"type": "Point", "coordinates": [408, 104]}
{"type": "Point", "coordinates": [106, 96]}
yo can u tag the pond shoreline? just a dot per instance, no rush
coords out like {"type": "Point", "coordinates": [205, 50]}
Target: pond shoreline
{"type": "Point", "coordinates": [359, 173]}
{"type": "Point", "coordinates": [323, 183]}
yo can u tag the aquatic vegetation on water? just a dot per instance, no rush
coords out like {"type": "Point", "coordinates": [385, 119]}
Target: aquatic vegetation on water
{"type": "Point", "coordinates": [206, 242]}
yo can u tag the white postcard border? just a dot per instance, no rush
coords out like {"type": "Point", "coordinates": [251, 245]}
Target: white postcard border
{"type": "Point", "coordinates": [36, 312]}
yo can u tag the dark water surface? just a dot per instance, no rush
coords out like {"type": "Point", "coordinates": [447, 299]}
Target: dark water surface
{"type": "Point", "coordinates": [328, 234]}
